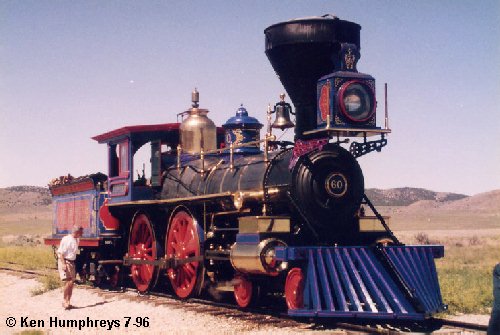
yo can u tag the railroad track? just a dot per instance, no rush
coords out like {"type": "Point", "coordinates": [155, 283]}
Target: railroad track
{"type": "Point", "coordinates": [276, 318]}
{"type": "Point", "coordinates": [465, 326]}
{"type": "Point", "coordinates": [18, 270]}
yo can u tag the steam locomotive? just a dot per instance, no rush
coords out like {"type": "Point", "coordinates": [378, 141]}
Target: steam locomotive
{"type": "Point", "coordinates": [224, 209]}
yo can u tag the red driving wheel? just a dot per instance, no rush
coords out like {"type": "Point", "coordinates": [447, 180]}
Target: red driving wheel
{"type": "Point", "coordinates": [294, 289]}
{"type": "Point", "coordinates": [142, 245]}
{"type": "Point", "coordinates": [183, 241]}
{"type": "Point", "coordinates": [243, 290]}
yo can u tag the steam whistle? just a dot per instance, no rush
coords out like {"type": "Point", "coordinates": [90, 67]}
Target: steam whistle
{"type": "Point", "coordinates": [282, 110]}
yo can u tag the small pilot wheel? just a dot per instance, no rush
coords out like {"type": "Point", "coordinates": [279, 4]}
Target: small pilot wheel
{"type": "Point", "coordinates": [294, 289]}
{"type": "Point", "coordinates": [243, 291]}
{"type": "Point", "coordinates": [182, 242]}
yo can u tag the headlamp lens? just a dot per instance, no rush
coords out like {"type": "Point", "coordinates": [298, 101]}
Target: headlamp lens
{"type": "Point", "coordinates": [357, 101]}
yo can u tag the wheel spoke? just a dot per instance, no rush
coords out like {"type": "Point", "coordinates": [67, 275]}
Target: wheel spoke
{"type": "Point", "coordinates": [149, 270]}
{"type": "Point", "coordinates": [180, 278]}
{"type": "Point", "coordinates": [141, 228]}
{"type": "Point", "coordinates": [149, 241]}
{"type": "Point", "coordinates": [182, 230]}
{"type": "Point", "coordinates": [173, 247]}
{"type": "Point", "coordinates": [131, 250]}
{"type": "Point", "coordinates": [190, 269]}
{"type": "Point", "coordinates": [192, 247]}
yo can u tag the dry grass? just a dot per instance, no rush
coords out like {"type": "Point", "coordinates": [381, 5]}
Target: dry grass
{"type": "Point", "coordinates": [29, 258]}
{"type": "Point", "coordinates": [49, 282]}
{"type": "Point", "coordinates": [32, 258]}
{"type": "Point", "coordinates": [30, 226]}
{"type": "Point", "coordinates": [428, 219]}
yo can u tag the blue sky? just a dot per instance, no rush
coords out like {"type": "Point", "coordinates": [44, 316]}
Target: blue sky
{"type": "Point", "coordinates": [70, 70]}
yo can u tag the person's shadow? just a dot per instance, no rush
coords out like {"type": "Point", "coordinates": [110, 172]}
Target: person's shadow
{"type": "Point", "coordinates": [89, 306]}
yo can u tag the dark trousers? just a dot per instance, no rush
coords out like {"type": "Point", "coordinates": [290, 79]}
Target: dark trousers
{"type": "Point", "coordinates": [494, 325]}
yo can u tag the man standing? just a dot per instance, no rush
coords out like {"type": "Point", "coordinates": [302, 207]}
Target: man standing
{"type": "Point", "coordinates": [66, 255]}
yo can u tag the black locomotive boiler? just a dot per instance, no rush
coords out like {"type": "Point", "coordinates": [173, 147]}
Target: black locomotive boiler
{"type": "Point", "coordinates": [224, 209]}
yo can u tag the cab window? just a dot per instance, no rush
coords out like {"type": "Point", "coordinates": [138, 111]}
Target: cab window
{"type": "Point", "coordinates": [123, 158]}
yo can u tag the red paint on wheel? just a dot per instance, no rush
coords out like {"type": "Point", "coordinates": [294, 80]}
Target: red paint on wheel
{"type": "Point", "coordinates": [243, 291]}
{"type": "Point", "coordinates": [294, 289]}
{"type": "Point", "coordinates": [142, 245]}
{"type": "Point", "coordinates": [183, 242]}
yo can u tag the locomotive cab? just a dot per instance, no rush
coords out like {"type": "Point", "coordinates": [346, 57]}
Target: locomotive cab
{"type": "Point", "coordinates": [123, 144]}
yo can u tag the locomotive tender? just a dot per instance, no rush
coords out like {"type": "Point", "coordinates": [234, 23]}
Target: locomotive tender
{"type": "Point", "coordinates": [225, 209]}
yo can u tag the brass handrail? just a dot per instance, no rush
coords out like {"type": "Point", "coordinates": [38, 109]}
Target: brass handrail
{"type": "Point", "coordinates": [231, 148]}
{"type": "Point", "coordinates": [248, 144]}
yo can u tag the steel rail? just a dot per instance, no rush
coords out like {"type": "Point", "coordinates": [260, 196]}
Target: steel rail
{"type": "Point", "coordinates": [460, 324]}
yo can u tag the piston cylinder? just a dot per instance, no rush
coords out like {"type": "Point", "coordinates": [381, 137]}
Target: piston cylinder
{"type": "Point", "coordinates": [257, 257]}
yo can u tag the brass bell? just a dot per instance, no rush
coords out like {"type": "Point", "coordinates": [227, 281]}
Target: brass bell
{"type": "Point", "coordinates": [282, 110]}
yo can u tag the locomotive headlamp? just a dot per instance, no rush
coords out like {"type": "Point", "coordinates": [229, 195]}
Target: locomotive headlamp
{"type": "Point", "coordinates": [346, 98]}
{"type": "Point", "coordinates": [356, 101]}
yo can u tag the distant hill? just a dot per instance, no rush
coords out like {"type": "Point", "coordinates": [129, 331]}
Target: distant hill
{"type": "Point", "coordinates": [480, 211]}
{"type": "Point", "coordinates": [25, 215]}
{"type": "Point", "coordinates": [29, 208]}
{"type": "Point", "coordinates": [488, 202]}
{"type": "Point", "coordinates": [24, 198]}
{"type": "Point", "coordinates": [33, 197]}
{"type": "Point", "coordinates": [406, 196]}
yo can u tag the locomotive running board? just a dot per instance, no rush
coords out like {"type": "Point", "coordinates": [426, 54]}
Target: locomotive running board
{"type": "Point", "coordinates": [393, 282]}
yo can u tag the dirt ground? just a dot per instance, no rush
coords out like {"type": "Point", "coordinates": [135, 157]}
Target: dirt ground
{"type": "Point", "coordinates": [99, 314]}
{"type": "Point", "coordinates": [17, 302]}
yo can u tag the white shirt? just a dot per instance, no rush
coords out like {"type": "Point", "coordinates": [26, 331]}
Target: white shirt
{"type": "Point", "coordinates": [68, 247]}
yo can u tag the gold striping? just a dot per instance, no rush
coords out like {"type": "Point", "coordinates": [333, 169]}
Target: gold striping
{"type": "Point", "coordinates": [169, 201]}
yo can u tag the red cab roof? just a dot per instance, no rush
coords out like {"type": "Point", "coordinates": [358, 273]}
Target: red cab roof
{"type": "Point", "coordinates": [140, 129]}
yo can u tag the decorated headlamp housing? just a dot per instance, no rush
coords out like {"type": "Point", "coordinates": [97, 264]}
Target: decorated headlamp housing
{"type": "Point", "coordinates": [242, 129]}
{"type": "Point", "coordinates": [346, 98]}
